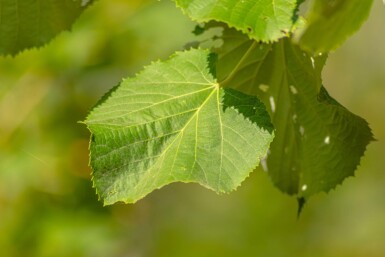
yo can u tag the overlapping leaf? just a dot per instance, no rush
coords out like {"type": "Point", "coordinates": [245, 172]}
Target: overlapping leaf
{"type": "Point", "coordinates": [263, 20]}
{"type": "Point", "coordinates": [173, 122]}
{"type": "Point", "coordinates": [32, 23]}
{"type": "Point", "coordinates": [331, 22]}
{"type": "Point", "coordinates": [318, 142]}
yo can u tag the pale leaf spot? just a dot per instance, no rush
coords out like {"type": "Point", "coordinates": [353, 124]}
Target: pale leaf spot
{"type": "Point", "coordinates": [263, 87]}
{"type": "Point", "coordinates": [302, 130]}
{"type": "Point", "coordinates": [294, 118]}
{"type": "Point", "coordinates": [293, 90]}
{"type": "Point", "coordinates": [85, 2]}
{"type": "Point", "coordinates": [272, 103]}
{"type": "Point", "coordinates": [327, 140]}
{"type": "Point", "coordinates": [312, 62]}
{"type": "Point", "coordinates": [264, 165]}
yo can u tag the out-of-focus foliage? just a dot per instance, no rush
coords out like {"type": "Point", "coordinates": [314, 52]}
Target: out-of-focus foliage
{"type": "Point", "coordinates": [331, 22]}
{"type": "Point", "coordinates": [29, 23]}
{"type": "Point", "coordinates": [47, 205]}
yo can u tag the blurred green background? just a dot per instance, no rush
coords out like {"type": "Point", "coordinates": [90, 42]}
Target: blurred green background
{"type": "Point", "coordinates": [47, 204]}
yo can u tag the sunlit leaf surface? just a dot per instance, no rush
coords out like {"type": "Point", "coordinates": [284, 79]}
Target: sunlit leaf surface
{"type": "Point", "coordinates": [174, 122]}
{"type": "Point", "coordinates": [264, 20]}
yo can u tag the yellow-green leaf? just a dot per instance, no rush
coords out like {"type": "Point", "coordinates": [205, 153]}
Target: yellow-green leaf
{"type": "Point", "coordinates": [173, 122]}
{"type": "Point", "coordinates": [263, 20]}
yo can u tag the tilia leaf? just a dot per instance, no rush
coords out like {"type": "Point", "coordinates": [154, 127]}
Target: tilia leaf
{"type": "Point", "coordinates": [32, 23]}
{"type": "Point", "coordinates": [173, 122]}
{"type": "Point", "coordinates": [263, 20]}
{"type": "Point", "coordinates": [331, 22]}
{"type": "Point", "coordinates": [318, 142]}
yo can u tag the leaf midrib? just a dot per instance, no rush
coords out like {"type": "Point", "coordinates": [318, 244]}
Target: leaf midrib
{"type": "Point", "coordinates": [215, 88]}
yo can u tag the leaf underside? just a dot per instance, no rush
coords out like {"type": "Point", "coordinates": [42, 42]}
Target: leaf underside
{"type": "Point", "coordinates": [263, 20]}
{"type": "Point", "coordinates": [173, 122]}
{"type": "Point", "coordinates": [318, 143]}
{"type": "Point", "coordinates": [32, 23]}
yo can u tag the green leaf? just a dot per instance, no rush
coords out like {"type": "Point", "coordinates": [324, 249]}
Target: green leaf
{"type": "Point", "coordinates": [331, 22]}
{"type": "Point", "coordinates": [318, 143]}
{"type": "Point", "coordinates": [263, 20]}
{"type": "Point", "coordinates": [173, 122]}
{"type": "Point", "coordinates": [32, 23]}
